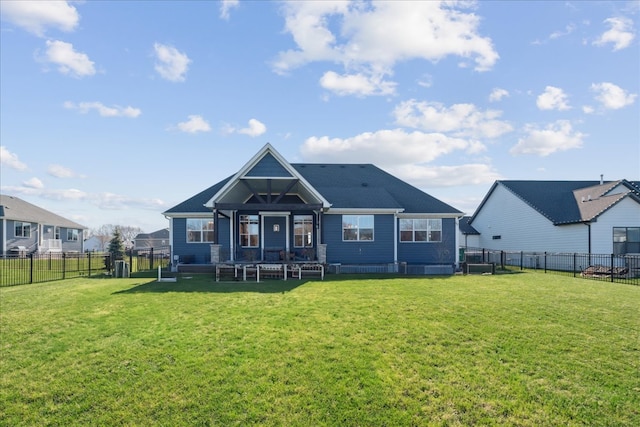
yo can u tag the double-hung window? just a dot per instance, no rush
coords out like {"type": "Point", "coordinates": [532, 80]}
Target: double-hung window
{"type": "Point", "coordinates": [199, 230]}
{"type": "Point", "coordinates": [302, 231]}
{"type": "Point", "coordinates": [626, 240]}
{"type": "Point", "coordinates": [420, 230]}
{"type": "Point", "coordinates": [23, 229]}
{"type": "Point", "coordinates": [357, 228]}
{"type": "Point", "coordinates": [72, 235]}
{"type": "Point", "coordinates": [249, 231]}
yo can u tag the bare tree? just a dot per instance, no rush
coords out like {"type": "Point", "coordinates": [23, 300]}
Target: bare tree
{"type": "Point", "coordinates": [104, 233]}
{"type": "Point", "coordinates": [129, 233]}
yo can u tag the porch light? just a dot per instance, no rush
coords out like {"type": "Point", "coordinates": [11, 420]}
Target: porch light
{"type": "Point", "coordinates": [276, 228]}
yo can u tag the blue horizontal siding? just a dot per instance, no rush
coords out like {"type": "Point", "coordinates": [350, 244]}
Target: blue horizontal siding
{"type": "Point", "coordinates": [380, 250]}
{"type": "Point", "coordinates": [443, 252]}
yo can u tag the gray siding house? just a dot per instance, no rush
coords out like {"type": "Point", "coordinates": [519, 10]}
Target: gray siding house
{"type": "Point", "coordinates": [595, 217]}
{"type": "Point", "coordinates": [272, 210]}
{"type": "Point", "coordinates": [157, 239]}
{"type": "Point", "coordinates": [27, 228]}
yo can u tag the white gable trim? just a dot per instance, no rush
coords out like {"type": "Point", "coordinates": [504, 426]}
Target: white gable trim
{"type": "Point", "coordinates": [267, 149]}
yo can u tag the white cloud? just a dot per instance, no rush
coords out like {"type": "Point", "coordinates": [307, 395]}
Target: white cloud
{"type": "Point", "coordinates": [612, 97]}
{"type": "Point", "coordinates": [256, 128]}
{"type": "Point", "coordinates": [459, 119]}
{"type": "Point", "coordinates": [69, 61]}
{"type": "Point", "coordinates": [10, 159]}
{"type": "Point", "coordinates": [557, 136]}
{"type": "Point", "coordinates": [497, 94]}
{"type": "Point", "coordinates": [567, 30]}
{"type": "Point", "coordinates": [621, 33]}
{"type": "Point", "coordinates": [103, 110]}
{"type": "Point", "coordinates": [33, 183]}
{"type": "Point", "coordinates": [553, 98]}
{"type": "Point", "coordinates": [195, 124]}
{"type": "Point", "coordinates": [356, 84]}
{"type": "Point", "coordinates": [384, 147]}
{"type": "Point", "coordinates": [37, 16]}
{"type": "Point", "coordinates": [588, 109]}
{"type": "Point", "coordinates": [445, 176]}
{"type": "Point", "coordinates": [60, 171]}
{"type": "Point", "coordinates": [368, 39]}
{"type": "Point", "coordinates": [226, 6]}
{"type": "Point", "coordinates": [172, 64]}
{"type": "Point", "coordinates": [109, 201]}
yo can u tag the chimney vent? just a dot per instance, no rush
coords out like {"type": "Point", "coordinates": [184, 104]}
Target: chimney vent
{"type": "Point", "coordinates": [601, 179]}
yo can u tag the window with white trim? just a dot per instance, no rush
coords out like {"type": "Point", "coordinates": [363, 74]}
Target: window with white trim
{"type": "Point", "coordinates": [199, 230]}
{"type": "Point", "coordinates": [302, 231]}
{"type": "Point", "coordinates": [357, 228]}
{"type": "Point", "coordinates": [626, 240]}
{"type": "Point", "coordinates": [23, 229]}
{"type": "Point", "coordinates": [420, 230]}
{"type": "Point", "coordinates": [249, 231]}
{"type": "Point", "coordinates": [72, 235]}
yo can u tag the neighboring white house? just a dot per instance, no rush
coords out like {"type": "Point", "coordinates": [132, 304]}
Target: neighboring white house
{"type": "Point", "coordinates": [95, 244]}
{"type": "Point", "coordinates": [560, 216]}
{"type": "Point", "coordinates": [468, 236]}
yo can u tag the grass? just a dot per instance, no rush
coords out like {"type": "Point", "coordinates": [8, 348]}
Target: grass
{"type": "Point", "coordinates": [515, 349]}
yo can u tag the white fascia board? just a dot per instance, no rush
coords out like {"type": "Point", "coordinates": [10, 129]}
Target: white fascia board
{"type": "Point", "coordinates": [268, 148]}
{"type": "Point", "coordinates": [429, 215]}
{"type": "Point", "coordinates": [362, 211]}
{"type": "Point", "coordinates": [189, 215]}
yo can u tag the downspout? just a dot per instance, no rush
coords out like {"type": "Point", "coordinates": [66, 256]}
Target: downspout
{"type": "Point", "coordinates": [588, 224]}
{"type": "Point", "coordinates": [457, 233]}
{"type": "Point", "coordinates": [395, 237]}
{"type": "Point", "coordinates": [232, 246]}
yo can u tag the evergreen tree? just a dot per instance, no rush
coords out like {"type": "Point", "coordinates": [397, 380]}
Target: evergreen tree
{"type": "Point", "coordinates": [116, 248]}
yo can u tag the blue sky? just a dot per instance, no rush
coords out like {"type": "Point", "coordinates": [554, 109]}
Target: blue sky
{"type": "Point", "coordinates": [112, 112]}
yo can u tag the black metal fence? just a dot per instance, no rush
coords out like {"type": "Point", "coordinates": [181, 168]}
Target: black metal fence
{"type": "Point", "coordinates": [36, 268]}
{"type": "Point", "coordinates": [609, 267]}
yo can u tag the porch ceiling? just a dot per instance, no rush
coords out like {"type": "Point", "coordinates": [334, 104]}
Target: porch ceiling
{"type": "Point", "coordinates": [242, 190]}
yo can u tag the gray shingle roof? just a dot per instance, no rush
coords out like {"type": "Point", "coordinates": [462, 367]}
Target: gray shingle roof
{"type": "Point", "coordinates": [14, 208]}
{"type": "Point", "coordinates": [346, 186]}
{"type": "Point", "coordinates": [561, 201]}
{"type": "Point", "coordinates": [466, 228]}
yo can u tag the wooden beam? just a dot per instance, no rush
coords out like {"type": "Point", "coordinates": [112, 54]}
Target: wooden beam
{"type": "Point", "coordinates": [246, 183]}
{"type": "Point", "coordinates": [280, 207]}
{"type": "Point", "coordinates": [286, 190]}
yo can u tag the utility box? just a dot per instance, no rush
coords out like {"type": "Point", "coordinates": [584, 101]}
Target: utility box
{"type": "Point", "coordinates": [121, 269]}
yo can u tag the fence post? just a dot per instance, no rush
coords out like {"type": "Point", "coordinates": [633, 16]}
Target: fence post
{"type": "Point", "coordinates": [64, 265]}
{"type": "Point", "coordinates": [89, 262]}
{"type": "Point", "coordinates": [151, 258]}
{"type": "Point", "coordinates": [545, 262]}
{"type": "Point", "coordinates": [31, 267]}
{"type": "Point", "coordinates": [483, 255]}
{"type": "Point", "coordinates": [574, 264]}
{"type": "Point", "coordinates": [612, 270]}
{"type": "Point", "coordinates": [521, 260]}
{"type": "Point", "coordinates": [502, 256]}
{"type": "Point", "coordinates": [131, 260]}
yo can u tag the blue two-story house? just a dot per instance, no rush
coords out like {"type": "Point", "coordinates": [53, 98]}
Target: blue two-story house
{"type": "Point", "coordinates": [342, 214]}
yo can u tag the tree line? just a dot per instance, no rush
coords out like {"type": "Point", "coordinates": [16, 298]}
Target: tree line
{"type": "Point", "coordinates": [105, 233]}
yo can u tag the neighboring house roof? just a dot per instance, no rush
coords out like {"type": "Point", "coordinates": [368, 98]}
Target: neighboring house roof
{"type": "Point", "coordinates": [159, 234]}
{"type": "Point", "coordinates": [342, 186]}
{"type": "Point", "coordinates": [466, 228]}
{"type": "Point", "coordinates": [14, 208]}
{"type": "Point", "coordinates": [569, 202]}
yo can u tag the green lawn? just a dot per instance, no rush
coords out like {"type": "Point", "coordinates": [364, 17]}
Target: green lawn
{"type": "Point", "coordinates": [515, 349]}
